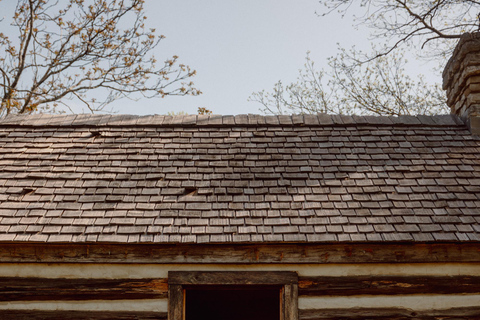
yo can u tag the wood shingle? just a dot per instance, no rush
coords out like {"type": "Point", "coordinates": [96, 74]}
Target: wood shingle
{"type": "Point", "coordinates": [214, 179]}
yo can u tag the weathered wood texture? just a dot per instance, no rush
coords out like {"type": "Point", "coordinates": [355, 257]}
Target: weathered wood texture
{"type": "Point", "coordinates": [38, 289]}
{"type": "Point", "coordinates": [244, 254]}
{"type": "Point", "coordinates": [80, 315]}
{"type": "Point", "coordinates": [290, 302]}
{"type": "Point", "coordinates": [472, 313]}
{"type": "Point", "coordinates": [387, 285]}
{"type": "Point", "coordinates": [176, 302]}
{"type": "Point", "coordinates": [232, 277]}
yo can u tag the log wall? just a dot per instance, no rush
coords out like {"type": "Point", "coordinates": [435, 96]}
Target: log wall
{"type": "Point", "coordinates": [419, 293]}
{"type": "Point", "coordinates": [340, 282]}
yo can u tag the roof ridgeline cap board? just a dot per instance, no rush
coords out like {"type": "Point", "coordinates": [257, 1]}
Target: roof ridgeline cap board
{"type": "Point", "coordinates": [98, 120]}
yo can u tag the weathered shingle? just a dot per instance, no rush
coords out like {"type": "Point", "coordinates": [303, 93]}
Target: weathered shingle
{"type": "Point", "coordinates": [245, 178]}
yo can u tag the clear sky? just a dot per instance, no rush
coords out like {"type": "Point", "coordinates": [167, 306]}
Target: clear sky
{"type": "Point", "coordinates": [237, 47]}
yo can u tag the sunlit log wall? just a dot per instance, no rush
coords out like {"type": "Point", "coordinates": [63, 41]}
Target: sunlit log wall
{"type": "Point", "coordinates": [378, 283]}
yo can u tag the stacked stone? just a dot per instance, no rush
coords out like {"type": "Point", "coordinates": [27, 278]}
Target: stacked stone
{"type": "Point", "coordinates": [461, 80]}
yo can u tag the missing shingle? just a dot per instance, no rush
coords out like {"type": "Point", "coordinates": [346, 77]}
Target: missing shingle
{"type": "Point", "coordinates": [95, 134]}
{"type": "Point", "coordinates": [26, 191]}
{"type": "Point", "coordinates": [190, 191]}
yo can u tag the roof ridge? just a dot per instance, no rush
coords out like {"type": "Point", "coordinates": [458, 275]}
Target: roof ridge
{"type": "Point", "coordinates": [125, 120]}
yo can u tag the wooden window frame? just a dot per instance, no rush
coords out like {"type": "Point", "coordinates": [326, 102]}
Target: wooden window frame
{"type": "Point", "coordinates": [179, 280]}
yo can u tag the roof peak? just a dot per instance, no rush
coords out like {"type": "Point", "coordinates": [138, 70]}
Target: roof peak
{"type": "Point", "coordinates": [125, 120]}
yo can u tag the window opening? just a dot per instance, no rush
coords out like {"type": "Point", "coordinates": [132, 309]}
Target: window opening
{"type": "Point", "coordinates": [230, 295]}
{"type": "Point", "coordinates": [232, 302]}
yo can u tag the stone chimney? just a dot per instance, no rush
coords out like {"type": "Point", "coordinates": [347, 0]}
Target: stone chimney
{"type": "Point", "coordinates": [461, 79]}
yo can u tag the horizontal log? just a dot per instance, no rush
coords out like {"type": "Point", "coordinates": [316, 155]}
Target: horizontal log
{"type": "Point", "coordinates": [471, 313]}
{"type": "Point", "coordinates": [241, 254]}
{"type": "Point", "coordinates": [80, 315]}
{"type": "Point", "coordinates": [41, 289]}
{"type": "Point", "coordinates": [387, 285]}
{"type": "Point", "coordinates": [232, 278]}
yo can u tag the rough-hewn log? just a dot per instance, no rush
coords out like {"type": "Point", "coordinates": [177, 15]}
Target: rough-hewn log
{"type": "Point", "coordinates": [390, 314]}
{"type": "Point", "coordinates": [232, 277]}
{"type": "Point", "coordinates": [39, 289]}
{"type": "Point", "coordinates": [245, 254]}
{"type": "Point", "coordinates": [387, 285]}
{"type": "Point", "coordinates": [80, 315]}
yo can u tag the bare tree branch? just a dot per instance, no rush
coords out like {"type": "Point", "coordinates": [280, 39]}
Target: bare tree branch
{"type": "Point", "coordinates": [375, 82]}
{"type": "Point", "coordinates": [71, 49]}
{"type": "Point", "coordinates": [406, 22]}
{"type": "Point", "coordinates": [379, 87]}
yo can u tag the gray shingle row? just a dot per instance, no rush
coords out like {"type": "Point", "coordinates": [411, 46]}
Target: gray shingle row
{"type": "Point", "coordinates": [246, 178]}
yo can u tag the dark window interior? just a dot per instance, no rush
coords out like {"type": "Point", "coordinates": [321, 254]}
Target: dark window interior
{"type": "Point", "coordinates": [232, 303]}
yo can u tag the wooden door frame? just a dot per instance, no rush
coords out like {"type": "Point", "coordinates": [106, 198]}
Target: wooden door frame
{"type": "Point", "coordinates": [178, 280]}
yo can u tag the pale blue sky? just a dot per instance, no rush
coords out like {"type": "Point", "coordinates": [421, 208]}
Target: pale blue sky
{"type": "Point", "coordinates": [237, 47]}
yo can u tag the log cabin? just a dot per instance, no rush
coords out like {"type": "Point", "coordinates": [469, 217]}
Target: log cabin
{"type": "Point", "coordinates": [247, 216]}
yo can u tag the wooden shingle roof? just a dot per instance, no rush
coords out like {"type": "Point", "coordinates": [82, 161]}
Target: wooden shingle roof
{"type": "Point", "coordinates": [237, 179]}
